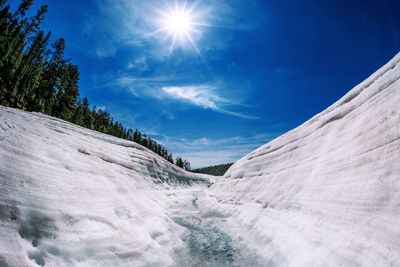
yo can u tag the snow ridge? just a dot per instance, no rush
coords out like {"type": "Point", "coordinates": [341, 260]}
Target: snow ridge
{"type": "Point", "coordinates": [328, 192]}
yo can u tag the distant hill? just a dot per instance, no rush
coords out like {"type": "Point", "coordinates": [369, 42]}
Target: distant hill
{"type": "Point", "coordinates": [216, 170]}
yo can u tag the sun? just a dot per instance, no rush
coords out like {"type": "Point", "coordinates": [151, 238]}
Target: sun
{"type": "Point", "coordinates": [181, 23]}
{"type": "Point", "coordinates": [178, 22]}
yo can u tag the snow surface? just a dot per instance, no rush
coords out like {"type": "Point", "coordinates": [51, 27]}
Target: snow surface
{"type": "Point", "coordinates": [74, 197]}
{"type": "Point", "coordinates": [325, 194]}
{"type": "Point", "coordinates": [328, 192]}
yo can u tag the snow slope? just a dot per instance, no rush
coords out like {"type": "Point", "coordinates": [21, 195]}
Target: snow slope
{"type": "Point", "coordinates": [328, 192]}
{"type": "Point", "coordinates": [74, 197]}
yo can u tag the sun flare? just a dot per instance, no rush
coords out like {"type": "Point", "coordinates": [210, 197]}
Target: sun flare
{"type": "Point", "coordinates": [180, 23]}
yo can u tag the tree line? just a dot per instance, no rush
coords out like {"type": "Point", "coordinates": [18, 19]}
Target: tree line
{"type": "Point", "coordinates": [36, 76]}
{"type": "Point", "coordinates": [216, 170]}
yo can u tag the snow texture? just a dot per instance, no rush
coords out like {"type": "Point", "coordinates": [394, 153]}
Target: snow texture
{"type": "Point", "coordinates": [74, 197]}
{"type": "Point", "coordinates": [328, 192]}
{"type": "Point", "coordinates": [324, 194]}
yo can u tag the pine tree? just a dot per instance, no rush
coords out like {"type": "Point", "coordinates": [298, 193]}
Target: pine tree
{"type": "Point", "coordinates": [52, 79]}
{"type": "Point", "coordinates": [179, 162]}
{"type": "Point", "coordinates": [18, 66]}
{"type": "Point", "coordinates": [143, 142]}
{"type": "Point", "coordinates": [22, 9]}
{"type": "Point", "coordinates": [170, 158]}
{"type": "Point", "coordinates": [137, 136]}
{"type": "Point", "coordinates": [12, 44]}
{"type": "Point", "coordinates": [77, 118]}
{"type": "Point", "coordinates": [130, 135]}
{"type": "Point", "coordinates": [30, 73]}
{"type": "Point", "coordinates": [158, 151]}
{"type": "Point", "coordinates": [68, 93]}
{"type": "Point", "coordinates": [186, 165]}
{"type": "Point", "coordinates": [87, 115]}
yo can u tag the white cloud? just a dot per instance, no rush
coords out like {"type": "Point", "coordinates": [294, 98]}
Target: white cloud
{"type": "Point", "coordinates": [198, 95]}
{"type": "Point", "coordinates": [158, 87]}
{"type": "Point", "coordinates": [203, 96]}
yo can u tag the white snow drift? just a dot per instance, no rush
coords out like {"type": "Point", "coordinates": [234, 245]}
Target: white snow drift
{"type": "Point", "coordinates": [325, 194]}
{"type": "Point", "coordinates": [328, 192]}
{"type": "Point", "coordinates": [74, 197]}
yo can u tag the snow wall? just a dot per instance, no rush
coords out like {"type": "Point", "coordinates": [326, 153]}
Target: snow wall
{"type": "Point", "coordinates": [328, 192]}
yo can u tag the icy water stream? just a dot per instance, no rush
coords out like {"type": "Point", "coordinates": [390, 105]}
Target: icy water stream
{"type": "Point", "coordinates": [207, 245]}
{"type": "Point", "coordinates": [206, 242]}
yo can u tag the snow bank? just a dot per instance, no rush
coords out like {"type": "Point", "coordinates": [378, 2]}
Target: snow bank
{"type": "Point", "coordinates": [74, 197]}
{"type": "Point", "coordinates": [328, 192]}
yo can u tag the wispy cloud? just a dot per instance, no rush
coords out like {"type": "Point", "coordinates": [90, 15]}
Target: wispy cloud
{"type": "Point", "coordinates": [139, 86]}
{"type": "Point", "coordinates": [162, 88]}
{"type": "Point", "coordinates": [105, 51]}
{"type": "Point", "coordinates": [139, 64]}
{"type": "Point", "coordinates": [203, 96]}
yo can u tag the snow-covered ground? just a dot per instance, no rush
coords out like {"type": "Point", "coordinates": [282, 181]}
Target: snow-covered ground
{"type": "Point", "coordinates": [328, 192]}
{"type": "Point", "coordinates": [74, 197]}
{"type": "Point", "coordinates": [325, 194]}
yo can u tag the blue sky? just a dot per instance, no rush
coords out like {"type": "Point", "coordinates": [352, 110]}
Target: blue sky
{"type": "Point", "coordinates": [259, 69]}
